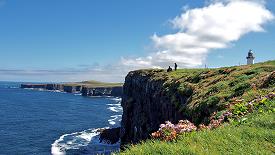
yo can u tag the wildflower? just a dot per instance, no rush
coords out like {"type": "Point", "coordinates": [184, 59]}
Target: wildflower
{"type": "Point", "coordinates": [202, 127]}
{"type": "Point", "coordinates": [169, 131]}
{"type": "Point", "coordinates": [227, 114]}
{"type": "Point", "coordinates": [249, 103]}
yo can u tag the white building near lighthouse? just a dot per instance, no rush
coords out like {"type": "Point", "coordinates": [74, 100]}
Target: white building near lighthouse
{"type": "Point", "coordinates": [250, 58]}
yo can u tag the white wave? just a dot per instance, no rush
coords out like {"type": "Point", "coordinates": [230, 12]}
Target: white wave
{"type": "Point", "coordinates": [58, 91]}
{"type": "Point", "coordinates": [42, 89]}
{"type": "Point", "coordinates": [102, 96]}
{"type": "Point", "coordinates": [73, 141]}
{"type": "Point", "coordinates": [83, 138]}
{"type": "Point", "coordinates": [114, 119]}
{"type": "Point", "coordinates": [117, 99]}
{"type": "Point", "coordinates": [29, 88]}
{"type": "Point", "coordinates": [12, 87]}
{"type": "Point", "coordinates": [78, 94]}
{"type": "Point", "coordinates": [116, 104]}
{"type": "Point", "coordinates": [115, 109]}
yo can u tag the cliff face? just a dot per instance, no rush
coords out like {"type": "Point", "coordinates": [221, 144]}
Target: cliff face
{"type": "Point", "coordinates": [145, 106]}
{"type": "Point", "coordinates": [84, 90]}
{"type": "Point", "coordinates": [99, 91]}
{"type": "Point", "coordinates": [152, 97]}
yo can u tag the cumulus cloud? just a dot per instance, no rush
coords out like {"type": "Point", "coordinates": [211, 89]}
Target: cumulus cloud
{"type": "Point", "coordinates": [200, 30]}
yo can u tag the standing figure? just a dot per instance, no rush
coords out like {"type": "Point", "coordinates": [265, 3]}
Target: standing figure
{"type": "Point", "coordinates": [169, 69]}
{"type": "Point", "coordinates": [176, 66]}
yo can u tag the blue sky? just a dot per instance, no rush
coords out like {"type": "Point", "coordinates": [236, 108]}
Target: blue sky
{"type": "Point", "coordinates": [72, 40]}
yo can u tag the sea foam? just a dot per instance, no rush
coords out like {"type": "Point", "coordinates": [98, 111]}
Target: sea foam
{"type": "Point", "coordinates": [114, 119]}
{"type": "Point", "coordinates": [77, 140]}
{"type": "Point", "coordinates": [74, 141]}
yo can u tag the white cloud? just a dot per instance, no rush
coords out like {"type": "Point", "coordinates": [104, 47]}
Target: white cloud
{"type": "Point", "coordinates": [201, 30]}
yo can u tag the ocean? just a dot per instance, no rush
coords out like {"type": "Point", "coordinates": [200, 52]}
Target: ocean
{"type": "Point", "coordinates": [47, 122]}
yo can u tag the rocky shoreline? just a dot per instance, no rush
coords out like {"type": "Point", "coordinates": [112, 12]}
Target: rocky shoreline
{"type": "Point", "coordinates": [116, 91]}
{"type": "Point", "coordinates": [110, 136]}
{"type": "Point", "coordinates": [107, 136]}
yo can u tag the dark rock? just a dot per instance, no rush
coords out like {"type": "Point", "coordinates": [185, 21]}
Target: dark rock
{"type": "Point", "coordinates": [37, 86]}
{"type": "Point", "coordinates": [44, 86]}
{"type": "Point", "coordinates": [59, 87]}
{"type": "Point", "coordinates": [85, 91]}
{"type": "Point", "coordinates": [72, 89]}
{"type": "Point", "coordinates": [110, 136]}
{"type": "Point", "coordinates": [50, 86]}
{"type": "Point", "coordinates": [146, 105]}
{"type": "Point", "coordinates": [26, 86]}
{"type": "Point", "coordinates": [102, 91]}
{"type": "Point", "coordinates": [117, 91]}
{"type": "Point", "coordinates": [93, 91]}
{"type": "Point", "coordinates": [78, 88]}
{"type": "Point", "coordinates": [68, 89]}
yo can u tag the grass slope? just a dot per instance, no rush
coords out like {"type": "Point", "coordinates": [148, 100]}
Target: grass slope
{"type": "Point", "coordinates": [95, 84]}
{"type": "Point", "coordinates": [210, 90]}
{"type": "Point", "coordinates": [256, 136]}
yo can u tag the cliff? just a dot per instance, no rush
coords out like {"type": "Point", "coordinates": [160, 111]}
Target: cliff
{"type": "Point", "coordinates": [86, 88]}
{"type": "Point", "coordinates": [154, 96]}
{"type": "Point", "coordinates": [99, 91]}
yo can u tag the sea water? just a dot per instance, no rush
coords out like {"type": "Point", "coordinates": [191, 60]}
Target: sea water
{"type": "Point", "coordinates": [47, 122]}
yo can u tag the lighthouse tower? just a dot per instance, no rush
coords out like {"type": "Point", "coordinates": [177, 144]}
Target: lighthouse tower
{"type": "Point", "coordinates": [250, 58]}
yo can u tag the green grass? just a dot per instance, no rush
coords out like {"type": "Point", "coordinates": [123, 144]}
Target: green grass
{"type": "Point", "coordinates": [93, 84]}
{"type": "Point", "coordinates": [210, 90]}
{"type": "Point", "coordinates": [101, 84]}
{"type": "Point", "coordinates": [255, 136]}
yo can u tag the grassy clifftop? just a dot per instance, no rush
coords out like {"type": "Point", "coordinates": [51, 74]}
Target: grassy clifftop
{"type": "Point", "coordinates": [94, 84]}
{"type": "Point", "coordinates": [208, 92]}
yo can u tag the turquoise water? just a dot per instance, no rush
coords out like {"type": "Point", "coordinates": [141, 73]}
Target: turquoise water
{"type": "Point", "coordinates": [44, 122]}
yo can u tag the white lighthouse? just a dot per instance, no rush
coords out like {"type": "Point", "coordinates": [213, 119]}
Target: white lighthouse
{"type": "Point", "coordinates": [250, 58]}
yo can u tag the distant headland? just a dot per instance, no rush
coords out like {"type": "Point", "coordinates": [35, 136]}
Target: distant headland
{"type": "Point", "coordinates": [86, 88]}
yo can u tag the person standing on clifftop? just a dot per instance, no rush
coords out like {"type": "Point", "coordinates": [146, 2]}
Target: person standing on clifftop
{"type": "Point", "coordinates": [176, 66]}
{"type": "Point", "coordinates": [169, 69]}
